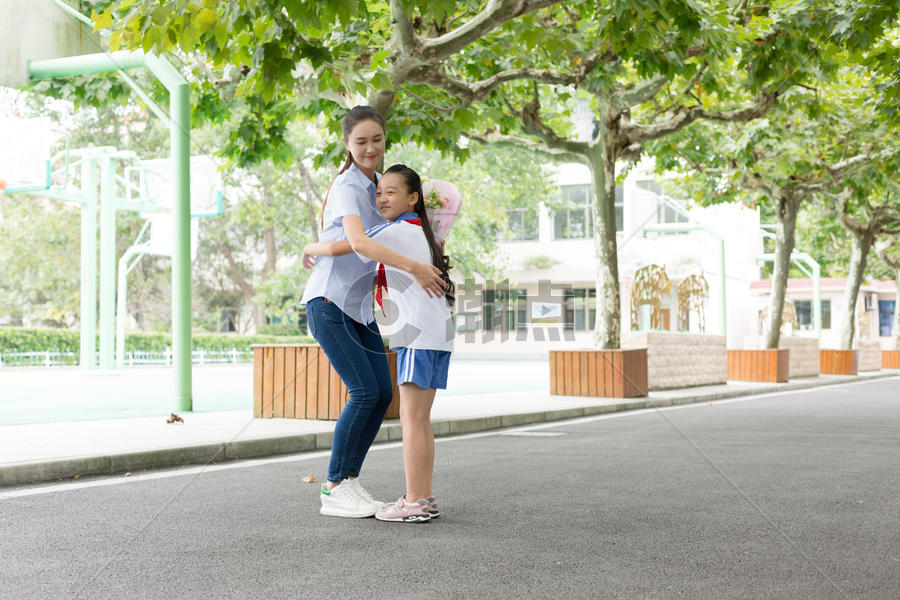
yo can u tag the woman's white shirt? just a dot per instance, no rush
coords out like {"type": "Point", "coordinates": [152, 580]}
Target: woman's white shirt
{"type": "Point", "coordinates": [346, 280]}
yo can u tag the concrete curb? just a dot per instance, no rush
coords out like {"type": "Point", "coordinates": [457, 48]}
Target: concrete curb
{"type": "Point", "coordinates": [65, 468]}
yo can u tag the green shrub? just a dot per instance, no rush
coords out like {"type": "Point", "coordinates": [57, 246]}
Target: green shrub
{"type": "Point", "coordinates": [20, 339]}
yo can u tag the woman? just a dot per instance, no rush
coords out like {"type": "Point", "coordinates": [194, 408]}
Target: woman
{"type": "Point", "coordinates": [340, 313]}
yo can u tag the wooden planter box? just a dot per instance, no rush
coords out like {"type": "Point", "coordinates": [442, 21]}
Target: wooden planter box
{"type": "Point", "coordinates": [296, 381]}
{"type": "Point", "coordinates": [759, 365]}
{"type": "Point", "coordinates": [601, 373]}
{"type": "Point", "coordinates": [838, 362]}
{"type": "Point", "coordinates": [890, 359]}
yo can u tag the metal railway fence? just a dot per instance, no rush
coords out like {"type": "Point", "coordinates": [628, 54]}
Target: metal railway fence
{"type": "Point", "coordinates": [58, 358]}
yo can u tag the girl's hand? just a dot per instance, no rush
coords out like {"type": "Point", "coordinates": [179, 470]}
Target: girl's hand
{"type": "Point", "coordinates": [308, 260]}
{"type": "Point", "coordinates": [429, 277]}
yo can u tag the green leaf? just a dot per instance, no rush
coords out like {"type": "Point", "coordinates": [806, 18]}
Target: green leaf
{"type": "Point", "coordinates": [102, 20]}
{"type": "Point", "coordinates": [382, 81]}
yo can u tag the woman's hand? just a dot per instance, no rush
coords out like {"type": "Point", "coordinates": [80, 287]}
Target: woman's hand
{"type": "Point", "coordinates": [429, 277]}
{"type": "Point", "coordinates": [308, 260]}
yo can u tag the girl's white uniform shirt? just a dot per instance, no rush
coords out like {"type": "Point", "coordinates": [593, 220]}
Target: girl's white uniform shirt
{"type": "Point", "coordinates": [346, 280]}
{"type": "Point", "coordinates": [410, 318]}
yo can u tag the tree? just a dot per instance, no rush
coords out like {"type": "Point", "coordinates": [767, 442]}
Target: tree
{"type": "Point", "coordinates": [650, 74]}
{"type": "Point", "coordinates": [865, 221]}
{"type": "Point", "coordinates": [448, 67]}
{"type": "Point", "coordinates": [799, 150]}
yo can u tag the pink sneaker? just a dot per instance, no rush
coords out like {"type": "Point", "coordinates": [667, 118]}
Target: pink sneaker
{"type": "Point", "coordinates": [405, 512]}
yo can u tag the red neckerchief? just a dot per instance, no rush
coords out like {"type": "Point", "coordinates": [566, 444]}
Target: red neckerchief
{"type": "Point", "coordinates": [381, 276]}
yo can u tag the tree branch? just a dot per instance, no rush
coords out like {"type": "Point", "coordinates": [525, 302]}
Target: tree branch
{"type": "Point", "coordinates": [478, 91]}
{"type": "Point", "coordinates": [494, 137]}
{"type": "Point", "coordinates": [406, 35]}
{"type": "Point", "coordinates": [685, 115]}
{"type": "Point", "coordinates": [638, 94]}
{"type": "Point", "coordinates": [495, 13]}
{"type": "Point", "coordinates": [532, 125]}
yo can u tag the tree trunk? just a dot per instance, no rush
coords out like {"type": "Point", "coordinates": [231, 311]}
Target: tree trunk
{"type": "Point", "coordinates": [607, 330]}
{"type": "Point", "coordinates": [271, 252]}
{"type": "Point", "coordinates": [784, 246]}
{"type": "Point", "coordinates": [311, 192]}
{"type": "Point", "coordinates": [259, 311]}
{"type": "Point", "coordinates": [858, 255]}
{"type": "Point", "coordinates": [382, 101]}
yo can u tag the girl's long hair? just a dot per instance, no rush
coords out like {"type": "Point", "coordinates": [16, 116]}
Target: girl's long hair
{"type": "Point", "coordinates": [357, 115]}
{"type": "Point", "coordinates": [413, 183]}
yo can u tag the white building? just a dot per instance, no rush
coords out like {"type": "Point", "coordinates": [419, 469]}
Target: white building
{"type": "Point", "coordinates": [874, 308]}
{"type": "Point", "coordinates": [556, 246]}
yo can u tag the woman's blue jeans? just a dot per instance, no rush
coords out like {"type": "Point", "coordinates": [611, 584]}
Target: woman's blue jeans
{"type": "Point", "coordinates": [356, 352]}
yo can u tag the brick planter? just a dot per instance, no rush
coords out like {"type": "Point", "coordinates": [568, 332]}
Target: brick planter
{"type": "Point", "coordinates": [838, 362]}
{"type": "Point", "coordinates": [678, 360]}
{"type": "Point", "coordinates": [890, 359]}
{"type": "Point", "coordinates": [296, 381]}
{"type": "Point", "coordinates": [870, 357]}
{"type": "Point", "coordinates": [599, 373]}
{"type": "Point", "coordinates": [759, 365]}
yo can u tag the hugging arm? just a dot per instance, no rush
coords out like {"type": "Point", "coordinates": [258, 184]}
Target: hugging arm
{"type": "Point", "coordinates": [314, 249]}
{"type": "Point", "coordinates": [428, 276]}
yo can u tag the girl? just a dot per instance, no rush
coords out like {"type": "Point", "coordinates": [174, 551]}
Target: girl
{"type": "Point", "coordinates": [340, 315]}
{"type": "Point", "coordinates": [421, 331]}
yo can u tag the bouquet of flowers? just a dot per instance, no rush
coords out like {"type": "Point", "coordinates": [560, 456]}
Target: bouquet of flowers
{"type": "Point", "coordinates": [442, 204]}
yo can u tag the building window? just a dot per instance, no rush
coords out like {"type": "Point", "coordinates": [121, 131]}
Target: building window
{"type": "Point", "coordinates": [576, 220]}
{"type": "Point", "coordinates": [886, 317]}
{"type": "Point", "coordinates": [580, 309]}
{"type": "Point", "coordinates": [523, 225]}
{"type": "Point", "coordinates": [805, 317]}
{"type": "Point", "coordinates": [504, 309]}
{"type": "Point", "coordinates": [665, 213]}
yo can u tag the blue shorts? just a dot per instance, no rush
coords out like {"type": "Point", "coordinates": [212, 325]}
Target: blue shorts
{"type": "Point", "coordinates": [425, 368]}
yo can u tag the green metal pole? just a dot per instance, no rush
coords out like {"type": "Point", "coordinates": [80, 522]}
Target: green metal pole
{"type": "Point", "coordinates": [180, 112]}
{"type": "Point", "coordinates": [723, 287]}
{"type": "Point", "coordinates": [85, 64]}
{"type": "Point", "coordinates": [179, 124]}
{"type": "Point", "coordinates": [817, 299]}
{"type": "Point", "coordinates": [107, 261]}
{"type": "Point", "coordinates": [88, 348]}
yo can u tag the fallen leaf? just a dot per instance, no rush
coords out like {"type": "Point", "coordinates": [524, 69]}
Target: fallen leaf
{"type": "Point", "coordinates": [76, 476]}
{"type": "Point", "coordinates": [709, 403]}
{"type": "Point", "coordinates": [309, 478]}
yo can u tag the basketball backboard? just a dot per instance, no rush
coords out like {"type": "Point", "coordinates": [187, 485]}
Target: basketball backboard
{"type": "Point", "coordinates": [38, 30]}
{"type": "Point", "coordinates": [157, 185]}
{"type": "Point", "coordinates": [25, 154]}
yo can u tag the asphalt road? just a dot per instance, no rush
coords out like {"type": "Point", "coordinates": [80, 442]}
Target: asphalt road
{"type": "Point", "coordinates": [790, 496]}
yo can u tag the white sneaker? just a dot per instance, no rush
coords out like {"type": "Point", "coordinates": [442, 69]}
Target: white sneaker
{"type": "Point", "coordinates": [366, 496]}
{"type": "Point", "coordinates": [344, 500]}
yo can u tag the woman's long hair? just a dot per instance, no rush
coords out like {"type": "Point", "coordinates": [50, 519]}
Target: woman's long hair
{"type": "Point", "coordinates": [357, 115]}
{"type": "Point", "coordinates": [413, 183]}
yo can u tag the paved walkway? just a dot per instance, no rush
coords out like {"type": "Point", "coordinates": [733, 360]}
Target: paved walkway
{"type": "Point", "coordinates": [39, 452]}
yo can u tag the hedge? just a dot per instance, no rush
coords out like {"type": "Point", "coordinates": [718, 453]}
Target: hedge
{"type": "Point", "coordinates": [20, 339]}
